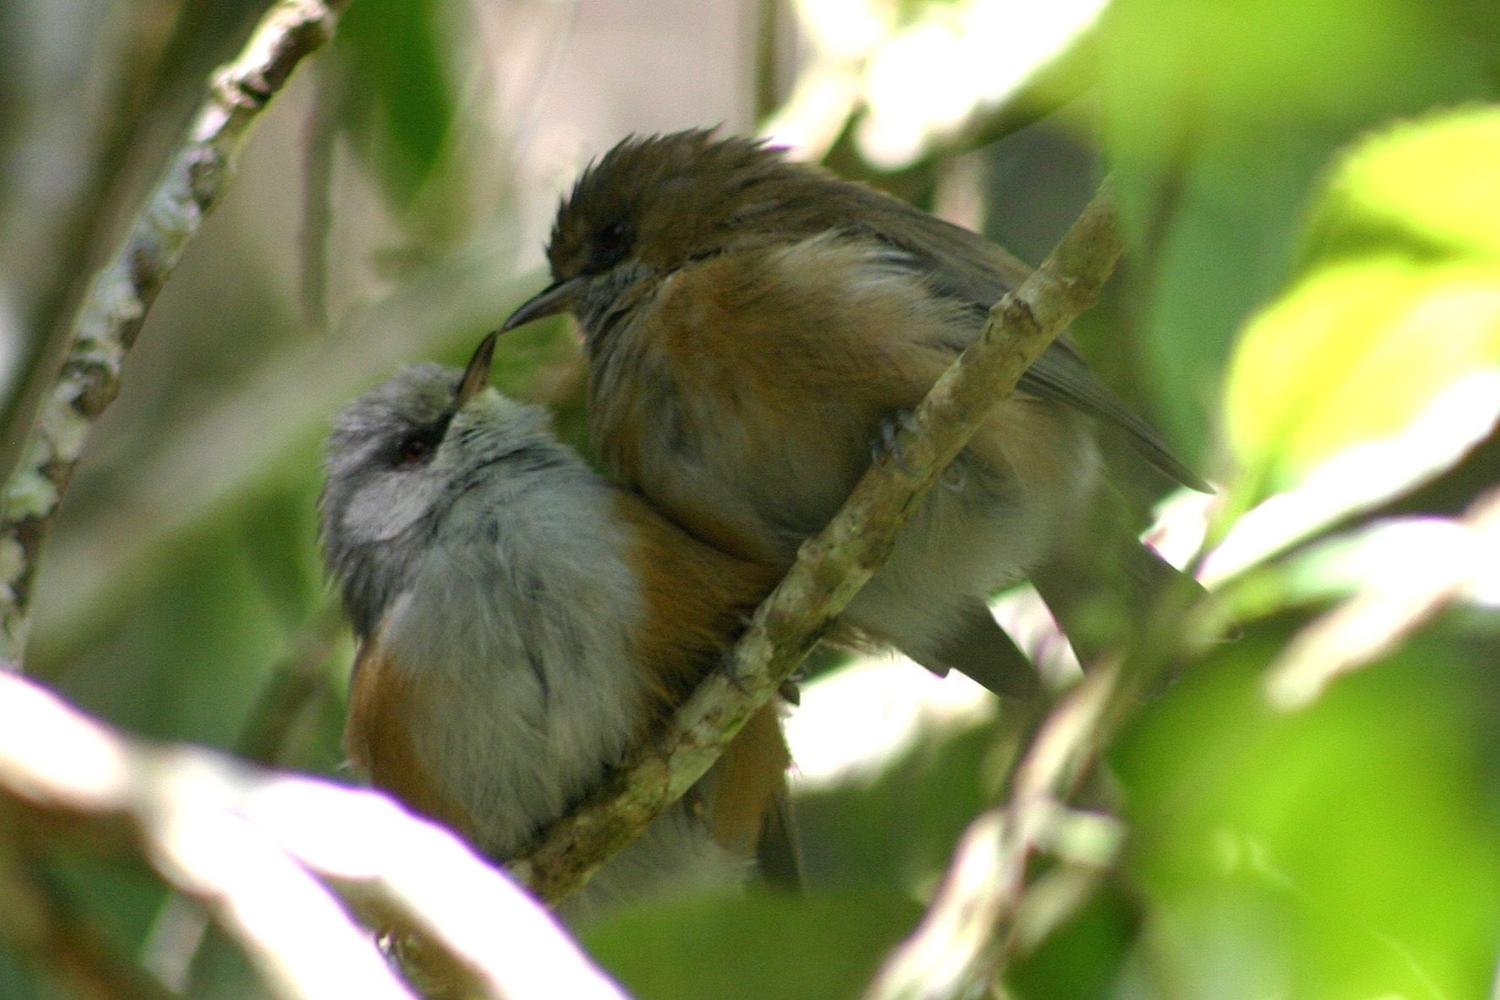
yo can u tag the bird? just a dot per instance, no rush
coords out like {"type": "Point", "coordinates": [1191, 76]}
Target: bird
{"type": "Point", "coordinates": [521, 624]}
{"type": "Point", "coordinates": [754, 328]}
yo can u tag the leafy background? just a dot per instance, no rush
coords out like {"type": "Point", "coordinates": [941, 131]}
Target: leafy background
{"type": "Point", "coordinates": [1310, 310]}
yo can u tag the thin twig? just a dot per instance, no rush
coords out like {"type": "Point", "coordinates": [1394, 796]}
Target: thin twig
{"type": "Point", "coordinates": [92, 213]}
{"type": "Point", "coordinates": [254, 847]}
{"type": "Point", "coordinates": [313, 235]}
{"type": "Point", "coordinates": [122, 292]}
{"type": "Point", "coordinates": [960, 943]}
{"type": "Point", "coordinates": [976, 924]}
{"type": "Point", "coordinates": [834, 564]}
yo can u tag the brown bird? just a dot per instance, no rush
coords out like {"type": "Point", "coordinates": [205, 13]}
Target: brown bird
{"type": "Point", "coordinates": [522, 624]}
{"type": "Point", "coordinates": [753, 326]}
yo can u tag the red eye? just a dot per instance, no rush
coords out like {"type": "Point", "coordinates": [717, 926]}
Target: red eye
{"type": "Point", "coordinates": [420, 442]}
{"type": "Point", "coordinates": [415, 449]}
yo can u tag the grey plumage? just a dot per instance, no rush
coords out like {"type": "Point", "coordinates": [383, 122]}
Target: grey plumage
{"type": "Point", "coordinates": [488, 575]}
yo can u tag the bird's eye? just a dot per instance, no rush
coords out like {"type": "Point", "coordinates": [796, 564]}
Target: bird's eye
{"type": "Point", "coordinates": [418, 446]}
{"type": "Point", "coordinates": [610, 245]}
{"type": "Point", "coordinates": [614, 237]}
{"type": "Point", "coordinates": [414, 449]}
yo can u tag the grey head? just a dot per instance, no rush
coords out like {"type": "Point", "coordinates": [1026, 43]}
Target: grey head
{"type": "Point", "coordinates": [395, 462]}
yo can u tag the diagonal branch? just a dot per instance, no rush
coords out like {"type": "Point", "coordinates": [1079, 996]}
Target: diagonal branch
{"type": "Point", "coordinates": [834, 564]}
{"type": "Point", "coordinates": [122, 292]}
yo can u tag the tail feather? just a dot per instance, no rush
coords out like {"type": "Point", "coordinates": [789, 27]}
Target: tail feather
{"type": "Point", "coordinates": [778, 853]}
{"type": "Point", "coordinates": [1099, 602]}
{"type": "Point", "coordinates": [984, 651]}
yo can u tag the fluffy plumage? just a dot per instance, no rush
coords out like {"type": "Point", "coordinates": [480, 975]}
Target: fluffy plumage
{"type": "Point", "coordinates": [750, 322]}
{"type": "Point", "coordinates": [522, 623]}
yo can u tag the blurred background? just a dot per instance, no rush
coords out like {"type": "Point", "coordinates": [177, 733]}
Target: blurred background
{"type": "Point", "coordinates": [1309, 309]}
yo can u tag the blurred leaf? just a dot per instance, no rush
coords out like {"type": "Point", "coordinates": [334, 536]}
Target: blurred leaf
{"type": "Point", "coordinates": [1347, 850]}
{"type": "Point", "coordinates": [120, 900]}
{"type": "Point", "coordinates": [18, 980]}
{"type": "Point", "coordinates": [1421, 187]}
{"type": "Point", "coordinates": [398, 89]}
{"type": "Point", "coordinates": [1398, 300]}
{"type": "Point", "coordinates": [1083, 957]}
{"type": "Point", "coordinates": [898, 831]}
{"type": "Point", "coordinates": [757, 945]}
{"type": "Point", "coordinates": [191, 640]}
{"type": "Point", "coordinates": [1217, 118]}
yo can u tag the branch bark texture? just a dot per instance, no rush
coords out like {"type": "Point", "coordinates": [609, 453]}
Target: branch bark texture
{"type": "Point", "coordinates": [833, 565]}
{"type": "Point", "coordinates": [120, 295]}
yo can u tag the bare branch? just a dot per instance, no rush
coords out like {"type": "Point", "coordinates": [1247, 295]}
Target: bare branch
{"type": "Point", "coordinates": [122, 292]}
{"type": "Point", "coordinates": [833, 565]}
{"type": "Point", "coordinates": [276, 859]}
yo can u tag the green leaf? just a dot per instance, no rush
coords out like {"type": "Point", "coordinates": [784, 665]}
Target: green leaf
{"type": "Point", "coordinates": [1084, 956]}
{"type": "Point", "coordinates": [1350, 849]}
{"type": "Point", "coordinates": [1397, 303]}
{"type": "Point", "coordinates": [398, 89]}
{"type": "Point", "coordinates": [757, 945]}
{"type": "Point", "coordinates": [1217, 118]}
{"type": "Point", "coordinates": [1425, 188]}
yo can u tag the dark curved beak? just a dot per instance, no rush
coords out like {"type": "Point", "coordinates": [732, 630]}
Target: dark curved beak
{"type": "Point", "coordinates": [477, 374]}
{"type": "Point", "coordinates": [555, 298]}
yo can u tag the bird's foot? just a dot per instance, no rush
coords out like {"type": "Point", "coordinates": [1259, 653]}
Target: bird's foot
{"type": "Point", "coordinates": [889, 440]}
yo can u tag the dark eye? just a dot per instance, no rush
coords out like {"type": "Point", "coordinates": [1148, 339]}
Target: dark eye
{"type": "Point", "coordinates": [420, 442]}
{"type": "Point", "coordinates": [414, 449]}
{"type": "Point", "coordinates": [610, 245]}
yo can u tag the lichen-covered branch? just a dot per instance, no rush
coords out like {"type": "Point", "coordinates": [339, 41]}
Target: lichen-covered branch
{"type": "Point", "coordinates": [834, 564]}
{"type": "Point", "coordinates": [120, 295]}
{"type": "Point", "coordinates": [256, 849]}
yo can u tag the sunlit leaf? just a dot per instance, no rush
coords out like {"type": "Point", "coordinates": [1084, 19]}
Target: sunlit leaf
{"type": "Point", "coordinates": [1397, 302]}
{"type": "Point", "coordinates": [1346, 850]}
{"type": "Point", "coordinates": [1355, 353]}
{"type": "Point", "coordinates": [1217, 118]}
{"type": "Point", "coordinates": [1426, 189]}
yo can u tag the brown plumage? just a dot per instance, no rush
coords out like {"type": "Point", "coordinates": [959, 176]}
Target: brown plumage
{"type": "Point", "coordinates": [695, 598]}
{"type": "Point", "coordinates": [751, 322]}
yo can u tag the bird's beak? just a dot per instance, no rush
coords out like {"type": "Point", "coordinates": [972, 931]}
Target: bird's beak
{"type": "Point", "coordinates": [477, 374]}
{"type": "Point", "coordinates": [555, 298]}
